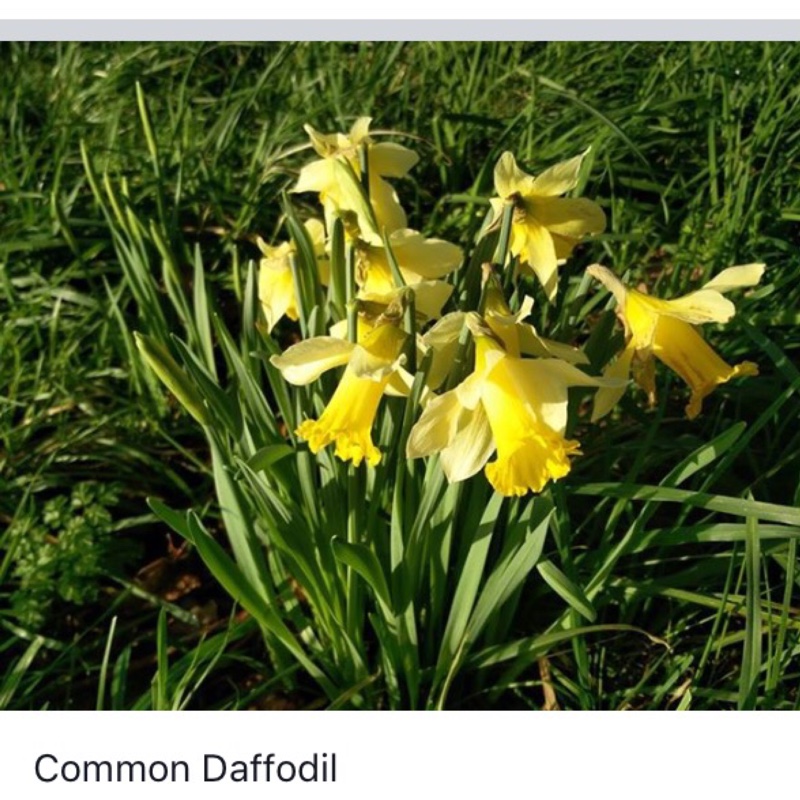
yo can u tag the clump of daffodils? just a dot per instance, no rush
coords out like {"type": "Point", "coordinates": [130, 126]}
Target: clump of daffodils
{"type": "Point", "coordinates": [492, 394]}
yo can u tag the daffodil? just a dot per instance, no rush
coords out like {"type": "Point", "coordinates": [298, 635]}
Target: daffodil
{"type": "Point", "coordinates": [276, 289]}
{"type": "Point", "coordinates": [665, 329]}
{"type": "Point", "coordinates": [518, 338]}
{"type": "Point", "coordinates": [418, 259]}
{"type": "Point", "coordinates": [514, 406]}
{"type": "Point", "coordinates": [371, 367]}
{"type": "Point", "coordinates": [336, 174]}
{"type": "Point", "coordinates": [545, 227]}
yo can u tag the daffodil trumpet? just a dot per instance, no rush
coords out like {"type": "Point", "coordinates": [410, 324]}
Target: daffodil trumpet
{"type": "Point", "coordinates": [667, 330]}
{"type": "Point", "coordinates": [373, 366]}
{"type": "Point", "coordinates": [516, 407]}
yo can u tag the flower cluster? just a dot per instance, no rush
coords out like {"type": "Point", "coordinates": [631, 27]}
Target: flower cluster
{"type": "Point", "coordinates": [505, 414]}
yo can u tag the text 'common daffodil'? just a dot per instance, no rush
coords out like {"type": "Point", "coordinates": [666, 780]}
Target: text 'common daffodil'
{"type": "Point", "coordinates": [545, 227]}
{"type": "Point", "coordinates": [666, 329]}
{"type": "Point", "coordinates": [373, 366]}
{"type": "Point", "coordinates": [515, 406]}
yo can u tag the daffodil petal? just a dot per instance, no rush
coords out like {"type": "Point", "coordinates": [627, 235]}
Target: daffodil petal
{"type": "Point", "coordinates": [540, 254]}
{"type": "Point", "coordinates": [388, 211]}
{"type": "Point", "coordinates": [471, 447]}
{"type": "Point", "coordinates": [305, 361]}
{"type": "Point", "coordinates": [606, 398]}
{"type": "Point", "coordinates": [318, 176]}
{"type": "Point", "coordinates": [442, 338]}
{"type": "Point", "coordinates": [570, 217]}
{"type": "Point", "coordinates": [559, 178]}
{"type": "Point", "coordinates": [360, 130]}
{"type": "Point", "coordinates": [532, 344]}
{"type": "Point", "coordinates": [436, 427]}
{"type": "Point", "coordinates": [736, 277]}
{"type": "Point", "coordinates": [421, 258]}
{"type": "Point", "coordinates": [276, 292]}
{"type": "Point", "coordinates": [610, 281]}
{"type": "Point", "coordinates": [390, 160]}
{"type": "Point", "coordinates": [548, 380]}
{"type": "Point", "coordinates": [705, 305]}
{"type": "Point", "coordinates": [509, 179]}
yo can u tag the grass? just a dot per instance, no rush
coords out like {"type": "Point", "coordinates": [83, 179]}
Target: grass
{"type": "Point", "coordinates": [675, 546]}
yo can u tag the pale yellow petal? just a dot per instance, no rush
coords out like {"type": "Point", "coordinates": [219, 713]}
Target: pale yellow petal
{"type": "Point", "coordinates": [705, 305]}
{"type": "Point", "coordinates": [305, 361]}
{"type": "Point", "coordinates": [532, 344]}
{"type": "Point", "coordinates": [436, 427]}
{"type": "Point", "coordinates": [610, 281]}
{"type": "Point", "coordinates": [359, 131]}
{"type": "Point", "coordinates": [560, 178]}
{"type": "Point", "coordinates": [606, 398]}
{"type": "Point", "coordinates": [471, 447]}
{"type": "Point", "coordinates": [509, 179]}
{"type": "Point", "coordinates": [388, 211]}
{"type": "Point", "coordinates": [545, 384]}
{"type": "Point", "coordinates": [276, 292]}
{"type": "Point", "coordinates": [736, 277]}
{"type": "Point", "coordinates": [540, 254]}
{"type": "Point", "coordinates": [443, 339]}
{"type": "Point", "coordinates": [421, 258]}
{"type": "Point", "coordinates": [391, 160]}
{"type": "Point", "coordinates": [318, 176]}
{"type": "Point", "coordinates": [316, 231]}
{"type": "Point", "coordinates": [570, 217]}
{"type": "Point", "coordinates": [429, 297]}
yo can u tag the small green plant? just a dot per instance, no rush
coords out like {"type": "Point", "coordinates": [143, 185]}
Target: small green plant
{"type": "Point", "coordinates": [63, 551]}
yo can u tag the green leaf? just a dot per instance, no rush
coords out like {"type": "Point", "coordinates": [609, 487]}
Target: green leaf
{"type": "Point", "coordinates": [567, 590]}
{"type": "Point", "coordinates": [361, 559]}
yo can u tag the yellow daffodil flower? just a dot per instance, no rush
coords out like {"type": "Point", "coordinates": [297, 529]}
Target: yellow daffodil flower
{"type": "Point", "coordinates": [545, 227]}
{"type": "Point", "coordinates": [515, 406]}
{"type": "Point", "coordinates": [338, 186]}
{"type": "Point", "coordinates": [418, 259]}
{"type": "Point", "coordinates": [372, 366]}
{"type": "Point", "coordinates": [517, 337]}
{"type": "Point", "coordinates": [276, 289]}
{"type": "Point", "coordinates": [666, 329]}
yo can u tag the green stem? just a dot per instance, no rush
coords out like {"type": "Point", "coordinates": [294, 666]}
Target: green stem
{"type": "Point", "coordinates": [410, 326]}
{"type": "Point", "coordinates": [350, 295]}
